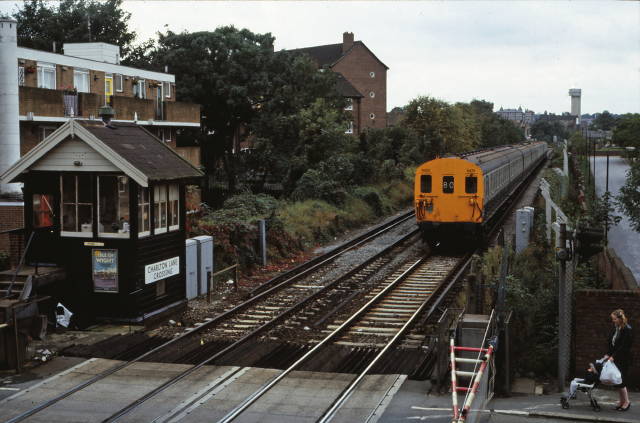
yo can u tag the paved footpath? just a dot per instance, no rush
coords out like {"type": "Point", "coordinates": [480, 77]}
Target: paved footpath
{"type": "Point", "coordinates": [411, 403]}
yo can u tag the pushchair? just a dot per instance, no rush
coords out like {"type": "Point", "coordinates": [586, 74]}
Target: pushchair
{"type": "Point", "coordinates": [586, 388]}
{"type": "Point", "coordinates": [585, 385]}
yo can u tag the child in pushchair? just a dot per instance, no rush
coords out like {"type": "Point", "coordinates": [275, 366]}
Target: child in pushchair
{"type": "Point", "coordinates": [585, 384]}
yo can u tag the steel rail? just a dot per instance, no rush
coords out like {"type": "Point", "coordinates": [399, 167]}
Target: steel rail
{"type": "Point", "coordinates": [265, 388]}
{"type": "Point", "coordinates": [334, 253]}
{"type": "Point", "coordinates": [327, 258]}
{"type": "Point", "coordinates": [138, 402]}
{"type": "Point", "coordinates": [346, 393]}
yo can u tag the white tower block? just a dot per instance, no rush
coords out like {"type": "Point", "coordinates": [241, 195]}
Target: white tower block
{"type": "Point", "coordinates": [575, 94]}
{"type": "Point", "coordinates": [9, 111]}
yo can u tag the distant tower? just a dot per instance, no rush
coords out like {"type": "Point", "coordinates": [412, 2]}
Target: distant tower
{"type": "Point", "coordinates": [575, 94]}
{"type": "Point", "coordinates": [9, 105]}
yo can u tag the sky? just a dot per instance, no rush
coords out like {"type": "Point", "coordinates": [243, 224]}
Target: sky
{"type": "Point", "coordinates": [514, 54]}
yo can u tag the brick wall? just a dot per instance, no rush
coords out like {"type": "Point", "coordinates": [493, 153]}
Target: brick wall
{"type": "Point", "coordinates": [181, 112]}
{"type": "Point", "coordinates": [593, 325]}
{"type": "Point", "coordinates": [356, 67]}
{"type": "Point", "coordinates": [616, 272]}
{"type": "Point", "coordinates": [41, 101]}
{"type": "Point", "coordinates": [11, 217]}
{"type": "Point", "coordinates": [127, 107]}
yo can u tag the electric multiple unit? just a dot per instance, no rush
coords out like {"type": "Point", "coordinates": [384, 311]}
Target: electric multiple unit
{"type": "Point", "coordinates": [457, 195]}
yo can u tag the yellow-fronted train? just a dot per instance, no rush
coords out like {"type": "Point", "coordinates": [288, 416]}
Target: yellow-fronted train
{"type": "Point", "coordinates": [455, 196]}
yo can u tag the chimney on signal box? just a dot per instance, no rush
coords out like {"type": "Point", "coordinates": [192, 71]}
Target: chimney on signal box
{"type": "Point", "coordinates": [347, 41]}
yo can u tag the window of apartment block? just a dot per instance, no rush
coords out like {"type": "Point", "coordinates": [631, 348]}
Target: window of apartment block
{"type": "Point", "coordinates": [160, 209]}
{"type": "Point", "coordinates": [144, 212]}
{"type": "Point", "coordinates": [349, 128]}
{"type": "Point", "coordinates": [140, 89]}
{"type": "Point", "coordinates": [81, 80]}
{"type": "Point", "coordinates": [21, 76]}
{"type": "Point", "coordinates": [113, 206]}
{"type": "Point", "coordinates": [119, 83]}
{"type": "Point", "coordinates": [47, 76]}
{"type": "Point", "coordinates": [349, 104]}
{"type": "Point", "coordinates": [166, 88]}
{"type": "Point", "coordinates": [76, 205]}
{"type": "Point", "coordinates": [174, 208]}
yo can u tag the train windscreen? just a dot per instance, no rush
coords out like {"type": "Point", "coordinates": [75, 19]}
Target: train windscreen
{"type": "Point", "coordinates": [425, 183]}
{"type": "Point", "coordinates": [471, 185]}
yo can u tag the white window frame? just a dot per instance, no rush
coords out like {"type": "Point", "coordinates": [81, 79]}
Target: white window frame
{"type": "Point", "coordinates": [350, 128]}
{"type": "Point", "coordinates": [158, 216]}
{"type": "Point", "coordinates": [44, 130]}
{"type": "Point", "coordinates": [84, 72]}
{"type": "Point", "coordinates": [174, 190]}
{"type": "Point", "coordinates": [124, 235]}
{"type": "Point", "coordinates": [62, 203]}
{"type": "Point", "coordinates": [21, 78]}
{"type": "Point", "coordinates": [48, 68]}
{"type": "Point", "coordinates": [166, 89]}
{"type": "Point", "coordinates": [142, 89]}
{"type": "Point", "coordinates": [142, 234]}
{"type": "Point", "coordinates": [118, 80]}
{"type": "Point", "coordinates": [349, 105]}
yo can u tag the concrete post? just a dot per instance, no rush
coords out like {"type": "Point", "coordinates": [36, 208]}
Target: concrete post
{"type": "Point", "coordinates": [564, 315]}
{"type": "Point", "coordinates": [523, 229]}
{"type": "Point", "coordinates": [9, 107]}
{"type": "Point", "coordinates": [263, 240]}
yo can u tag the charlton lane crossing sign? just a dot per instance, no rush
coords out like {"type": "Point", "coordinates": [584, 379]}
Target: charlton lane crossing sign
{"type": "Point", "coordinates": [161, 270]}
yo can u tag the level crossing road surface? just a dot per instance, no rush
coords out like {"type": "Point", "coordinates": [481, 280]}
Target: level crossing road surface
{"type": "Point", "coordinates": [622, 238]}
{"type": "Point", "coordinates": [302, 398]}
{"type": "Point", "coordinates": [207, 395]}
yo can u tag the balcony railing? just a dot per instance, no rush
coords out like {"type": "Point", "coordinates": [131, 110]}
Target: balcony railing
{"type": "Point", "coordinates": [58, 103]}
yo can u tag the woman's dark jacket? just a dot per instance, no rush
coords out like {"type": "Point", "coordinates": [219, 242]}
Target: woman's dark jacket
{"type": "Point", "coordinates": [621, 351]}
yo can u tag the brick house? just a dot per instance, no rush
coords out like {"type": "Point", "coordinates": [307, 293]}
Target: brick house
{"type": "Point", "coordinates": [363, 79]}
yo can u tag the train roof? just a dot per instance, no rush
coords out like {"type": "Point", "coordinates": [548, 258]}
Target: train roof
{"type": "Point", "coordinates": [488, 160]}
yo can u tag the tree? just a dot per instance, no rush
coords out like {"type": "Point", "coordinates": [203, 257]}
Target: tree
{"type": "Point", "coordinates": [629, 197]}
{"type": "Point", "coordinates": [605, 121]}
{"type": "Point", "coordinates": [249, 92]}
{"type": "Point", "coordinates": [627, 131]}
{"type": "Point", "coordinates": [41, 24]}
{"type": "Point", "coordinates": [439, 124]}
{"type": "Point", "coordinates": [544, 130]}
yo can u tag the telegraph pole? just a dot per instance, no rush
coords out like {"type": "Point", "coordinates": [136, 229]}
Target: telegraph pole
{"type": "Point", "coordinates": [564, 310]}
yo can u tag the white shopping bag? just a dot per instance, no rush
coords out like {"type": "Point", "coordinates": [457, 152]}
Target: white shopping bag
{"type": "Point", "coordinates": [610, 374]}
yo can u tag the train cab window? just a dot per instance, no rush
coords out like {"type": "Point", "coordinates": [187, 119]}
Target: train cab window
{"type": "Point", "coordinates": [471, 185]}
{"type": "Point", "coordinates": [425, 183]}
{"type": "Point", "coordinates": [447, 184]}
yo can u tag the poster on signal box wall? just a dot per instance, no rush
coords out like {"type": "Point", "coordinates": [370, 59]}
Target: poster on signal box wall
{"type": "Point", "coordinates": [105, 270]}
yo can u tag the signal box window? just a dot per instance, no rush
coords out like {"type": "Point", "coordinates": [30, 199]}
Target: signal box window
{"type": "Point", "coordinates": [425, 183]}
{"type": "Point", "coordinates": [77, 205]}
{"type": "Point", "coordinates": [471, 184]}
{"type": "Point", "coordinates": [42, 210]}
{"type": "Point", "coordinates": [447, 184]}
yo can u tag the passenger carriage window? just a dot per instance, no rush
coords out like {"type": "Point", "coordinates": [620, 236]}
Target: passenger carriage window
{"type": "Point", "coordinates": [471, 185]}
{"type": "Point", "coordinates": [425, 183]}
{"type": "Point", "coordinates": [447, 184]}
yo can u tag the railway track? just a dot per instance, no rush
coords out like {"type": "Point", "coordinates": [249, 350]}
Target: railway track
{"type": "Point", "coordinates": [429, 279]}
{"type": "Point", "coordinates": [270, 306]}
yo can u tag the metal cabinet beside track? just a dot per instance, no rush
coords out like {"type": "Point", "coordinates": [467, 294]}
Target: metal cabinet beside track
{"type": "Point", "coordinates": [205, 261]}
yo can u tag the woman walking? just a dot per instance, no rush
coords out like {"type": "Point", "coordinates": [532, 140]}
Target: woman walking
{"type": "Point", "coordinates": [619, 352]}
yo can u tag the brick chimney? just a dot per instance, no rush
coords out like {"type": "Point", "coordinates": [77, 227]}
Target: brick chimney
{"type": "Point", "coordinates": [347, 41]}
